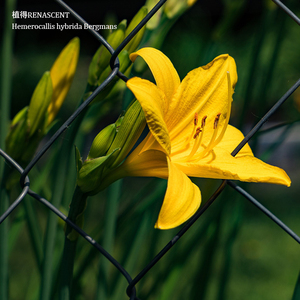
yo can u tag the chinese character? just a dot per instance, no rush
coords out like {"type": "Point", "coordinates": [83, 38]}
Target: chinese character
{"type": "Point", "coordinates": [23, 14]}
{"type": "Point", "coordinates": [15, 15]}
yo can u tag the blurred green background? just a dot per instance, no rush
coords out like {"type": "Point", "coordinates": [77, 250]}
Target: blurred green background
{"type": "Point", "coordinates": [233, 251]}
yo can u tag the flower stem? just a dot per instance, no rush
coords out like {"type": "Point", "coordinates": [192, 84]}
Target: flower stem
{"type": "Point", "coordinates": [77, 208]}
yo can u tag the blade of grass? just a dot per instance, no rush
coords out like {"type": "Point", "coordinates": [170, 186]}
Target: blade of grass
{"type": "Point", "coordinates": [279, 22]}
{"type": "Point", "coordinates": [114, 193]}
{"type": "Point", "coordinates": [6, 82]}
{"type": "Point", "coordinates": [131, 259]}
{"type": "Point", "coordinates": [207, 255]}
{"type": "Point", "coordinates": [15, 228]}
{"type": "Point", "coordinates": [4, 228]}
{"type": "Point", "coordinates": [6, 74]}
{"type": "Point", "coordinates": [34, 231]}
{"type": "Point", "coordinates": [235, 219]}
{"type": "Point", "coordinates": [296, 295]}
{"type": "Point", "coordinates": [171, 283]}
{"type": "Point", "coordinates": [277, 143]}
{"type": "Point", "coordinates": [256, 51]}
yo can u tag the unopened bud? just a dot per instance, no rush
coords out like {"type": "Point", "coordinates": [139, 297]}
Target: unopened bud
{"type": "Point", "coordinates": [90, 174]}
{"type": "Point", "coordinates": [130, 130]}
{"type": "Point", "coordinates": [174, 8]}
{"type": "Point", "coordinates": [124, 65]}
{"type": "Point", "coordinates": [62, 73]}
{"type": "Point", "coordinates": [102, 56]}
{"type": "Point", "coordinates": [102, 141]}
{"type": "Point", "coordinates": [135, 41]}
{"type": "Point", "coordinates": [39, 102]}
{"type": "Point", "coordinates": [17, 135]}
{"type": "Point", "coordinates": [155, 20]}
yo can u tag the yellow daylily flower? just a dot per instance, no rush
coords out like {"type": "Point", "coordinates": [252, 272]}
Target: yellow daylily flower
{"type": "Point", "coordinates": [62, 73]}
{"type": "Point", "coordinates": [189, 134]}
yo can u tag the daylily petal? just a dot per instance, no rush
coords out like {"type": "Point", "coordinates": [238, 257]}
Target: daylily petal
{"type": "Point", "coordinates": [164, 73]}
{"type": "Point", "coordinates": [181, 201]}
{"type": "Point", "coordinates": [151, 163]}
{"type": "Point", "coordinates": [231, 140]}
{"type": "Point", "coordinates": [203, 91]}
{"type": "Point", "coordinates": [153, 103]}
{"type": "Point", "coordinates": [222, 165]}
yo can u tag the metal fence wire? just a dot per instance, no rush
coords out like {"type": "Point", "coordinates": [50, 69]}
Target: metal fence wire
{"type": "Point", "coordinates": [114, 63]}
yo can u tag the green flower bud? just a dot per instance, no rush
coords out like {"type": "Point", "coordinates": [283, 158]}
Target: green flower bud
{"type": "Point", "coordinates": [17, 135]}
{"type": "Point", "coordinates": [155, 20]}
{"type": "Point", "coordinates": [125, 63]}
{"type": "Point", "coordinates": [102, 56]}
{"type": "Point", "coordinates": [39, 102]}
{"type": "Point", "coordinates": [102, 141]}
{"type": "Point", "coordinates": [90, 174]}
{"type": "Point", "coordinates": [130, 130]}
{"type": "Point", "coordinates": [175, 8]}
{"type": "Point", "coordinates": [113, 143]}
{"type": "Point", "coordinates": [119, 122]}
{"type": "Point", "coordinates": [133, 44]}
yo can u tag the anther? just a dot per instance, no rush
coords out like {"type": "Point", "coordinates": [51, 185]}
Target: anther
{"type": "Point", "coordinates": [198, 130]}
{"type": "Point", "coordinates": [203, 121]}
{"type": "Point", "coordinates": [217, 120]}
{"type": "Point", "coordinates": [196, 119]}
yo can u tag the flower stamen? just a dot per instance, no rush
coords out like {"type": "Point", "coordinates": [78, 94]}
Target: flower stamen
{"type": "Point", "coordinates": [198, 130]}
{"type": "Point", "coordinates": [198, 138]}
{"type": "Point", "coordinates": [195, 125]}
{"type": "Point", "coordinates": [196, 119]}
{"type": "Point", "coordinates": [215, 140]}
{"type": "Point", "coordinates": [229, 99]}
{"type": "Point", "coordinates": [217, 120]}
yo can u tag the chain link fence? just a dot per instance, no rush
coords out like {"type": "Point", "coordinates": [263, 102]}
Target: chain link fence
{"type": "Point", "coordinates": [114, 63]}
